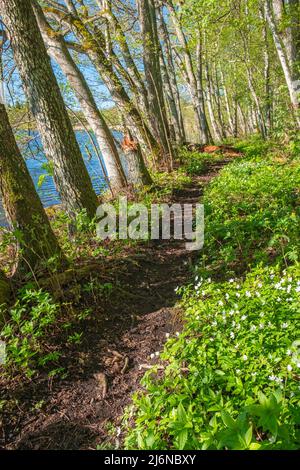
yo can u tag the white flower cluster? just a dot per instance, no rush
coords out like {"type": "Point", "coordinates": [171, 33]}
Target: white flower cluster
{"type": "Point", "coordinates": [276, 379]}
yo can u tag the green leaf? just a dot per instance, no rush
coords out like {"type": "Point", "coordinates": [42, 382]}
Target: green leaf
{"type": "Point", "coordinates": [248, 436]}
{"type": "Point", "coordinates": [181, 414]}
{"type": "Point", "coordinates": [254, 446]}
{"type": "Point", "coordinates": [228, 420]}
{"type": "Point", "coordinates": [140, 441]}
{"type": "Point", "coordinates": [41, 180]}
{"type": "Point", "coordinates": [262, 398]}
{"type": "Point", "coordinates": [182, 438]}
{"type": "Point", "coordinates": [150, 440]}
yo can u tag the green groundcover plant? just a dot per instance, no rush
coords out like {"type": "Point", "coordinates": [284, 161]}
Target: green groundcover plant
{"type": "Point", "coordinates": [231, 378]}
{"type": "Point", "coordinates": [252, 214]}
{"type": "Point", "coordinates": [29, 321]}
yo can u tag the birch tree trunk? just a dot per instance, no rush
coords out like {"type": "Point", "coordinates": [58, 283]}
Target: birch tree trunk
{"type": "Point", "coordinates": [170, 67]}
{"type": "Point", "coordinates": [151, 56]}
{"type": "Point", "coordinates": [137, 171]}
{"type": "Point", "coordinates": [227, 104]}
{"type": "Point", "coordinates": [174, 124]}
{"type": "Point", "coordinates": [287, 21]}
{"type": "Point", "coordinates": [217, 98]}
{"type": "Point", "coordinates": [268, 88]}
{"type": "Point", "coordinates": [217, 135]}
{"type": "Point", "coordinates": [59, 51]}
{"type": "Point", "coordinates": [200, 93]}
{"type": "Point", "coordinates": [70, 174]}
{"type": "Point", "coordinates": [191, 79]}
{"type": "Point", "coordinates": [293, 85]}
{"type": "Point", "coordinates": [141, 92]}
{"type": "Point", "coordinates": [94, 46]}
{"type": "Point", "coordinates": [23, 208]}
{"type": "Point", "coordinates": [260, 116]}
{"type": "Point", "coordinates": [294, 12]}
{"type": "Point", "coordinates": [171, 105]}
{"type": "Point", "coordinates": [259, 112]}
{"type": "Point", "coordinates": [243, 123]}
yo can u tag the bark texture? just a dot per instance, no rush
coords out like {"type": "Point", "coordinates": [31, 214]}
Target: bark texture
{"type": "Point", "coordinates": [58, 49]}
{"type": "Point", "coordinates": [93, 43]}
{"type": "Point", "coordinates": [192, 77]}
{"type": "Point", "coordinates": [137, 171]}
{"type": "Point", "coordinates": [70, 174]}
{"type": "Point", "coordinates": [22, 205]}
{"type": "Point", "coordinates": [155, 91]}
{"type": "Point", "coordinates": [289, 66]}
{"type": "Point", "coordinates": [171, 74]}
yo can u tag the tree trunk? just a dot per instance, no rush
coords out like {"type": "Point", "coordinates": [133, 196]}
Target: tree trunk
{"type": "Point", "coordinates": [227, 104]}
{"type": "Point", "coordinates": [93, 45]}
{"type": "Point", "coordinates": [293, 8]}
{"type": "Point", "coordinates": [59, 51]}
{"type": "Point", "coordinates": [200, 93]}
{"type": "Point", "coordinates": [217, 97]}
{"type": "Point", "coordinates": [151, 55]}
{"type": "Point", "coordinates": [212, 118]}
{"type": "Point", "coordinates": [287, 21]}
{"type": "Point", "coordinates": [174, 123]}
{"type": "Point", "coordinates": [259, 113]}
{"type": "Point", "coordinates": [141, 92]}
{"type": "Point", "coordinates": [170, 68]}
{"type": "Point", "coordinates": [260, 116]}
{"type": "Point", "coordinates": [267, 77]}
{"type": "Point", "coordinates": [22, 205]}
{"type": "Point", "coordinates": [254, 127]}
{"type": "Point", "coordinates": [70, 174]}
{"type": "Point", "coordinates": [243, 122]}
{"type": "Point", "coordinates": [137, 170]}
{"type": "Point", "coordinates": [191, 80]}
{"type": "Point", "coordinates": [293, 86]}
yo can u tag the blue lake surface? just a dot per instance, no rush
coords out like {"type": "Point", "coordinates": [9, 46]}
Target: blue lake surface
{"type": "Point", "coordinates": [35, 157]}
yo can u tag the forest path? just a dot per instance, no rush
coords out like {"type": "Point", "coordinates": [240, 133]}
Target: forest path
{"type": "Point", "coordinates": [79, 412]}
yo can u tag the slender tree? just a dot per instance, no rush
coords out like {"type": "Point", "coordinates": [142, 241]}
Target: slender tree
{"type": "Point", "coordinates": [47, 106]}
{"type": "Point", "coordinates": [192, 76]}
{"type": "Point", "coordinates": [153, 75]}
{"type": "Point", "coordinates": [58, 49]}
{"type": "Point", "coordinates": [93, 43]}
{"type": "Point", "coordinates": [289, 60]}
{"type": "Point", "coordinates": [136, 81]}
{"type": "Point", "coordinates": [209, 100]}
{"type": "Point", "coordinates": [167, 57]}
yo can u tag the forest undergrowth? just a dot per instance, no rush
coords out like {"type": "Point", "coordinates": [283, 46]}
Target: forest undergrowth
{"type": "Point", "coordinates": [78, 347]}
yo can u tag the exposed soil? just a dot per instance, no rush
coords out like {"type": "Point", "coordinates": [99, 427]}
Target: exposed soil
{"type": "Point", "coordinates": [103, 372]}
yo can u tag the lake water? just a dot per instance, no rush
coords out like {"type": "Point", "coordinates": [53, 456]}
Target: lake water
{"type": "Point", "coordinates": [34, 157]}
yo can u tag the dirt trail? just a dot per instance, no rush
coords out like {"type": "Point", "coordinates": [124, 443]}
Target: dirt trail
{"type": "Point", "coordinates": [76, 413]}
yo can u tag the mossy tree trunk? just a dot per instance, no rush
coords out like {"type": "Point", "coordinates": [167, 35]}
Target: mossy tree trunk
{"type": "Point", "coordinates": [70, 174]}
{"type": "Point", "coordinates": [22, 205]}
